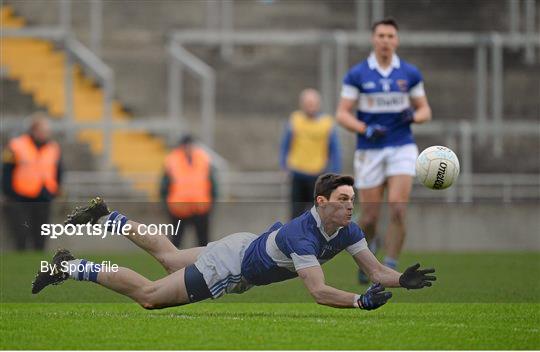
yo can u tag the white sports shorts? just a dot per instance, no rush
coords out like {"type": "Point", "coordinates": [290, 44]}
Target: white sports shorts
{"type": "Point", "coordinates": [220, 263]}
{"type": "Point", "coordinates": [373, 166]}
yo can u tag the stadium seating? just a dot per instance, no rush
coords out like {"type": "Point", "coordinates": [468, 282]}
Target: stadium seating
{"type": "Point", "coordinates": [39, 68]}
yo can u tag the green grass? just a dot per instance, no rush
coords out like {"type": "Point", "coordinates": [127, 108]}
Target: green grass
{"type": "Point", "coordinates": [480, 301]}
{"type": "Point", "coordinates": [270, 326]}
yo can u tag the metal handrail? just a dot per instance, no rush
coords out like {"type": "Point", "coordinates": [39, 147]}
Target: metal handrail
{"type": "Point", "coordinates": [242, 186]}
{"type": "Point", "coordinates": [106, 74]}
{"type": "Point", "coordinates": [89, 58]}
{"type": "Point", "coordinates": [180, 57]}
{"type": "Point", "coordinates": [245, 37]}
{"type": "Point", "coordinates": [360, 38]}
{"type": "Point", "coordinates": [49, 33]}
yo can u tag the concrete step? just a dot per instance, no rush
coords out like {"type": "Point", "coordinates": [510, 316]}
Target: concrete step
{"type": "Point", "coordinates": [13, 101]}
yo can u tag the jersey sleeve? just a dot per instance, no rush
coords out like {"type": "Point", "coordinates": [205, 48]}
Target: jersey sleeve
{"type": "Point", "coordinates": [350, 88]}
{"type": "Point", "coordinates": [358, 241]}
{"type": "Point", "coordinates": [303, 254]}
{"type": "Point", "coordinates": [416, 89]}
{"type": "Point", "coordinates": [304, 261]}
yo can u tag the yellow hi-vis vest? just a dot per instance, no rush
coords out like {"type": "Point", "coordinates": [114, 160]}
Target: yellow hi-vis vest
{"type": "Point", "coordinates": [310, 140]}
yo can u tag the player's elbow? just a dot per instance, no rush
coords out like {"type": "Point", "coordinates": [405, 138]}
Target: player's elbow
{"type": "Point", "coordinates": [426, 113]}
{"type": "Point", "coordinates": [319, 295]}
{"type": "Point", "coordinates": [375, 277]}
{"type": "Point", "coordinates": [377, 274]}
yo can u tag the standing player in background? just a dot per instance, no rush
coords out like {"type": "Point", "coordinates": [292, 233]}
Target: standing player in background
{"type": "Point", "coordinates": [381, 97]}
{"type": "Point", "coordinates": [309, 148]}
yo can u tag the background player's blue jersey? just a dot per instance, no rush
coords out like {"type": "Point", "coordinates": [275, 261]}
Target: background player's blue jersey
{"type": "Point", "coordinates": [382, 97]}
{"type": "Point", "coordinates": [277, 254]}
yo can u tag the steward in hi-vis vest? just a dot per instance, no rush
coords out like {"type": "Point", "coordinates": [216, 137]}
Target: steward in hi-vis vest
{"type": "Point", "coordinates": [35, 171]}
{"type": "Point", "coordinates": [188, 188]}
{"type": "Point", "coordinates": [31, 175]}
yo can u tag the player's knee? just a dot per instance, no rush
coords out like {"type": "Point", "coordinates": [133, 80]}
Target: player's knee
{"type": "Point", "coordinates": [166, 263]}
{"type": "Point", "coordinates": [169, 259]}
{"type": "Point", "coordinates": [398, 214]}
{"type": "Point", "coordinates": [369, 219]}
{"type": "Point", "coordinates": [147, 298]}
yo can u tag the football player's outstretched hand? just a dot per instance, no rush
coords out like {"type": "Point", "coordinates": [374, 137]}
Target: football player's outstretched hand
{"type": "Point", "coordinates": [373, 298]}
{"type": "Point", "coordinates": [413, 278]}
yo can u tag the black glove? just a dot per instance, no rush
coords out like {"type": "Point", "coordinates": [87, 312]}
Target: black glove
{"type": "Point", "coordinates": [407, 116]}
{"type": "Point", "coordinates": [413, 278]}
{"type": "Point", "coordinates": [374, 131]}
{"type": "Point", "coordinates": [373, 298]}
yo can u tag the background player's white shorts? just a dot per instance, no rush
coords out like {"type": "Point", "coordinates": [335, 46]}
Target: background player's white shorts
{"type": "Point", "coordinates": [373, 166]}
{"type": "Point", "coordinates": [220, 263]}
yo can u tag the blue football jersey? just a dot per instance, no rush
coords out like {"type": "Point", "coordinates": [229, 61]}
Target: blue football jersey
{"type": "Point", "coordinates": [382, 95]}
{"type": "Point", "coordinates": [278, 253]}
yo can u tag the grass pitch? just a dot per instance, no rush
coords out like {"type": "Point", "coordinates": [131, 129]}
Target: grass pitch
{"type": "Point", "coordinates": [480, 301]}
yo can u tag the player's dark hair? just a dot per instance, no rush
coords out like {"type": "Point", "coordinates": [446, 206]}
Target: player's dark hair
{"type": "Point", "coordinates": [388, 21]}
{"type": "Point", "coordinates": [327, 183]}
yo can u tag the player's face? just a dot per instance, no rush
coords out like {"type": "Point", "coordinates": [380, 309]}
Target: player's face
{"type": "Point", "coordinates": [338, 209]}
{"type": "Point", "coordinates": [385, 40]}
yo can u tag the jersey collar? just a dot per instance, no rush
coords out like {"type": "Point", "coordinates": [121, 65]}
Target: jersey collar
{"type": "Point", "coordinates": [320, 226]}
{"type": "Point", "coordinates": [374, 64]}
